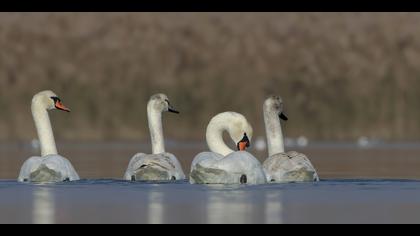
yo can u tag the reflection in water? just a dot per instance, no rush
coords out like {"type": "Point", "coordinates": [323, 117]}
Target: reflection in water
{"type": "Point", "coordinates": [382, 201]}
{"type": "Point", "coordinates": [244, 207]}
{"type": "Point", "coordinates": [273, 208]}
{"type": "Point", "coordinates": [156, 209]}
{"type": "Point", "coordinates": [229, 207]}
{"type": "Point", "coordinates": [43, 206]}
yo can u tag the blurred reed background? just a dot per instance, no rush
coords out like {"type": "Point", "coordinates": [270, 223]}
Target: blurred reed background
{"type": "Point", "coordinates": [341, 75]}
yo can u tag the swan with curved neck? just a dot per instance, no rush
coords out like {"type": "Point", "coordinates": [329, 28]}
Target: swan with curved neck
{"type": "Point", "coordinates": [160, 165]}
{"type": "Point", "coordinates": [281, 166]}
{"type": "Point", "coordinates": [237, 127]}
{"type": "Point", "coordinates": [223, 165]}
{"type": "Point", "coordinates": [51, 167]}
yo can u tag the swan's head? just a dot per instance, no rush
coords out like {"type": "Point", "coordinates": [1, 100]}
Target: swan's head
{"type": "Point", "coordinates": [275, 104]}
{"type": "Point", "coordinates": [161, 103]}
{"type": "Point", "coordinates": [240, 130]}
{"type": "Point", "coordinates": [236, 125]}
{"type": "Point", "coordinates": [242, 136]}
{"type": "Point", "coordinates": [49, 100]}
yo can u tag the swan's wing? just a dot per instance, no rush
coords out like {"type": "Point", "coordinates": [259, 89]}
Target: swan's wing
{"type": "Point", "coordinates": [206, 159]}
{"type": "Point", "coordinates": [244, 163]}
{"type": "Point", "coordinates": [61, 164]}
{"type": "Point", "coordinates": [300, 159]}
{"type": "Point", "coordinates": [291, 166]}
{"type": "Point", "coordinates": [276, 167]}
{"type": "Point", "coordinates": [177, 171]}
{"type": "Point", "coordinates": [134, 164]}
{"type": "Point", "coordinates": [164, 166]}
{"type": "Point", "coordinates": [276, 161]}
{"type": "Point", "coordinates": [60, 168]}
{"type": "Point", "coordinates": [239, 161]}
{"type": "Point", "coordinates": [71, 173]}
{"type": "Point", "coordinates": [211, 168]}
{"type": "Point", "coordinates": [203, 171]}
{"type": "Point", "coordinates": [28, 166]}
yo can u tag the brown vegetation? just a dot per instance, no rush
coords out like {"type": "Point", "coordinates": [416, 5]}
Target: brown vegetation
{"type": "Point", "coordinates": [341, 75]}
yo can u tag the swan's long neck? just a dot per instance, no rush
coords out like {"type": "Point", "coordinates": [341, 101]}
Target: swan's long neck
{"type": "Point", "coordinates": [274, 132]}
{"type": "Point", "coordinates": [44, 129]}
{"type": "Point", "coordinates": [214, 135]}
{"type": "Point", "coordinates": [155, 127]}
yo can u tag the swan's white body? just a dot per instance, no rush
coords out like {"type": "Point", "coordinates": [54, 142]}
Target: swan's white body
{"type": "Point", "coordinates": [280, 166]}
{"type": "Point", "coordinates": [160, 165]}
{"type": "Point", "coordinates": [51, 167]}
{"type": "Point", "coordinates": [47, 169]}
{"type": "Point", "coordinates": [223, 165]}
{"type": "Point", "coordinates": [152, 167]}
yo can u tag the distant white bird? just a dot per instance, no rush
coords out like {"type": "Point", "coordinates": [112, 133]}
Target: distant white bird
{"type": "Point", "coordinates": [302, 141]}
{"type": "Point", "coordinates": [51, 167]}
{"type": "Point", "coordinates": [363, 142]}
{"type": "Point", "coordinates": [260, 144]}
{"type": "Point", "coordinates": [281, 166]}
{"type": "Point", "coordinates": [35, 145]}
{"type": "Point", "coordinates": [160, 165]}
{"type": "Point", "coordinates": [223, 165]}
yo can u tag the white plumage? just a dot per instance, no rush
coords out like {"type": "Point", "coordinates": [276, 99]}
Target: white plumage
{"type": "Point", "coordinates": [223, 165]}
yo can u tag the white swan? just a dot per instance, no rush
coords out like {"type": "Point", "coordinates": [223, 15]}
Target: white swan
{"type": "Point", "coordinates": [280, 166]}
{"type": "Point", "coordinates": [223, 165]}
{"type": "Point", "coordinates": [159, 166]}
{"type": "Point", "coordinates": [51, 167]}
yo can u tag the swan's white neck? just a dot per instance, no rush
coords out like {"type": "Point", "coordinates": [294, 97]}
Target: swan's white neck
{"type": "Point", "coordinates": [44, 129]}
{"type": "Point", "coordinates": [155, 126]}
{"type": "Point", "coordinates": [214, 134]}
{"type": "Point", "coordinates": [274, 132]}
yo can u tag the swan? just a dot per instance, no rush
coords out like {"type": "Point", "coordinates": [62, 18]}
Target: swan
{"type": "Point", "coordinates": [160, 165]}
{"type": "Point", "coordinates": [280, 166]}
{"type": "Point", "coordinates": [50, 167]}
{"type": "Point", "coordinates": [223, 165]}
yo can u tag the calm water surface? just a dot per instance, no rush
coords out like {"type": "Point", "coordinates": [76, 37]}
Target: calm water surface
{"type": "Point", "coordinates": [360, 185]}
{"type": "Point", "coordinates": [111, 201]}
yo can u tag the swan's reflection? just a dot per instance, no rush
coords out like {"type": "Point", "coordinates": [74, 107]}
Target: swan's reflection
{"type": "Point", "coordinates": [229, 207]}
{"type": "Point", "coordinates": [244, 207]}
{"type": "Point", "coordinates": [43, 206]}
{"type": "Point", "coordinates": [156, 211]}
{"type": "Point", "coordinates": [273, 208]}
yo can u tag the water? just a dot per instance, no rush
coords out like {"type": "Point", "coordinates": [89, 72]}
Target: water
{"type": "Point", "coordinates": [332, 160]}
{"type": "Point", "coordinates": [112, 201]}
{"type": "Point", "coordinates": [360, 185]}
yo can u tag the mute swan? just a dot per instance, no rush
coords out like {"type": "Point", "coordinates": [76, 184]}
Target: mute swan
{"type": "Point", "coordinates": [51, 167]}
{"type": "Point", "coordinates": [223, 165]}
{"type": "Point", "coordinates": [280, 166]}
{"type": "Point", "coordinates": [159, 166]}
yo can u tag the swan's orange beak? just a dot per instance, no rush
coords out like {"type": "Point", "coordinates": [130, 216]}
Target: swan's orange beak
{"type": "Point", "coordinates": [242, 146]}
{"type": "Point", "coordinates": [60, 106]}
{"type": "Point", "coordinates": [244, 143]}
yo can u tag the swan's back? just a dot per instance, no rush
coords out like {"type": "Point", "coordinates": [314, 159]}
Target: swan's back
{"type": "Point", "coordinates": [154, 167]}
{"type": "Point", "coordinates": [206, 157]}
{"type": "Point", "coordinates": [236, 168]}
{"type": "Point", "coordinates": [51, 168]}
{"type": "Point", "coordinates": [289, 167]}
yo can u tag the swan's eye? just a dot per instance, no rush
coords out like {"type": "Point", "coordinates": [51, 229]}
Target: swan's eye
{"type": "Point", "coordinates": [56, 99]}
